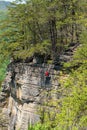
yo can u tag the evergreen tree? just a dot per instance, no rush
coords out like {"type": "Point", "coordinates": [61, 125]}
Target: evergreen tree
{"type": "Point", "coordinates": [42, 27]}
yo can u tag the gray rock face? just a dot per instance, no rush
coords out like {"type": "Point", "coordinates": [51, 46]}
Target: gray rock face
{"type": "Point", "coordinates": [4, 119]}
{"type": "Point", "coordinates": [24, 84]}
{"type": "Point", "coordinates": [26, 88]}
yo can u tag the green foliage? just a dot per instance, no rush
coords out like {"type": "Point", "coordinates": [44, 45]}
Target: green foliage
{"type": "Point", "coordinates": [3, 66]}
{"type": "Point", "coordinates": [81, 53]}
{"type": "Point", "coordinates": [3, 15]}
{"type": "Point", "coordinates": [74, 104]}
{"type": "Point", "coordinates": [3, 58]}
{"type": "Point", "coordinates": [38, 126]}
{"type": "Point", "coordinates": [69, 112]}
{"type": "Point", "coordinates": [32, 25]}
{"type": "Point", "coordinates": [73, 112]}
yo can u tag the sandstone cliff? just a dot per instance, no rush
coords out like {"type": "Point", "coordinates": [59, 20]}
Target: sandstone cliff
{"type": "Point", "coordinates": [23, 89]}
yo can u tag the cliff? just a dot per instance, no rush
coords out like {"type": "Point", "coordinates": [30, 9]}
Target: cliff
{"type": "Point", "coordinates": [23, 88]}
{"type": "Point", "coordinates": [26, 89]}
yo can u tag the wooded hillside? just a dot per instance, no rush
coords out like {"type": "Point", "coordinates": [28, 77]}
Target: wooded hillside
{"type": "Point", "coordinates": [4, 5]}
{"type": "Point", "coordinates": [44, 30]}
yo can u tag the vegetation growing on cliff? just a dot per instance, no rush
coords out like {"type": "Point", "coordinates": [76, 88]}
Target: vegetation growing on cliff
{"type": "Point", "coordinates": [69, 112]}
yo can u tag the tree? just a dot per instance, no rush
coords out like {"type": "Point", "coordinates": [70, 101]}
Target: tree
{"type": "Point", "coordinates": [49, 25]}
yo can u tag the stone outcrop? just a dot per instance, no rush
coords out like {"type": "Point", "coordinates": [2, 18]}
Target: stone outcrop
{"type": "Point", "coordinates": [23, 88]}
{"type": "Point", "coordinates": [26, 88]}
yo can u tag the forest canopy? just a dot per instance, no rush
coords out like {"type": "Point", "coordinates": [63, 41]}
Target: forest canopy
{"type": "Point", "coordinates": [41, 28]}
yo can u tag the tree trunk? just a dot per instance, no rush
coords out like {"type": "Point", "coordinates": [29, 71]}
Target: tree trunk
{"type": "Point", "coordinates": [53, 37]}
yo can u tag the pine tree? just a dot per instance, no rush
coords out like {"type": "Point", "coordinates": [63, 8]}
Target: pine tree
{"type": "Point", "coordinates": [42, 28]}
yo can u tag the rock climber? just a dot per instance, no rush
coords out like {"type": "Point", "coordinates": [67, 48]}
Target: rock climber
{"type": "Point", "coordinates": [47, 78]}
{"type": "Point", "coordinates": [47, 73]}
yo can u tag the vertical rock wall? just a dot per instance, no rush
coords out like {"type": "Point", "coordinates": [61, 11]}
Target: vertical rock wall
{"type": "Point", "coordinates": [25, 84]}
